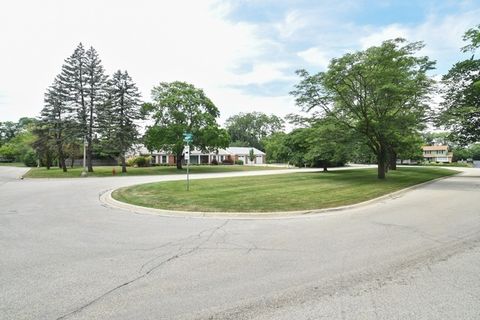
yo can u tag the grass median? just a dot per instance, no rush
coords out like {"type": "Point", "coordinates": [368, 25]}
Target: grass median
{"type": "Point", "coordinates": [286, 192]}
{"type": "Point", "coordinates": [107, 171]}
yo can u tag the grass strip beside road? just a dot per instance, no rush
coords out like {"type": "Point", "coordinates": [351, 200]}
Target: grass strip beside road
{"type": "Point", "coordinates": [106, 171]}
{"type": "Point", "coordinates": [12, 164]}
{"type": "Point", "coordinates": [286, 192]}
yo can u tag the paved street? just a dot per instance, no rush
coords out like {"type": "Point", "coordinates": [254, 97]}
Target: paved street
{"type": "Point", "coordinates": [64, 255]}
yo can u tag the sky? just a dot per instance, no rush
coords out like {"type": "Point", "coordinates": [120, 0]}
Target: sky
{"type": "Point", "coordinates": [242, 53]}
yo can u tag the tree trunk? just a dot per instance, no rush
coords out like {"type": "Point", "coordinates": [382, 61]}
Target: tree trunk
{"type": "Point", "coordinates": [124, 163]}
{"type": "Point", "coordinates": [179, 160]}
{"type": "Point", "coordinates": [72, 161]}
{"type": "Point", "coordinates": [393, 160]}
{"type": "Point", "coordinates": [63, 165]}
{"type": "Point", "coordinates": [61, 157]}
{"type": "Point", "coordinates": [381, 160]}
{"type": "Point", "coordinates": [325, 167]}
{"type": "Point", "coordinates": [89, 155]}
{"type": "Point", "coordinates": [48, 160]}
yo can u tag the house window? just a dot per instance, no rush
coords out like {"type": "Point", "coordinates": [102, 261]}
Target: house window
{"type": "Point", "coordinates": [164, 159]}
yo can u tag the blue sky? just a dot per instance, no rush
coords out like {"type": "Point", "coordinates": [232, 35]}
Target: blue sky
{"type": "Point", "coordinates": [307, 34]}
{"type": "Point", "coordinates": [243, 53]}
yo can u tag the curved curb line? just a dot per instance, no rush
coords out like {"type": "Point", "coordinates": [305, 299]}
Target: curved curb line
{"type": "Point", "coordinates": [107, 199]}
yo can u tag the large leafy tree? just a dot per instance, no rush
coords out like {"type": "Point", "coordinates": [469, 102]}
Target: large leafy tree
{"type": "Point", "coordinates": [461, 106]}
{"type": "Point", "coordinates": [118, 116]}
{"type": "Point", "coordinates": [177, 108]}
{"type": "Point", "coordinates": [371, 92]}
{"type": "Point", "coordinates": [328, 144]}
{"type": "Point", "coordinates": [250, 129]}
{"type": "Point", "coordinates": [276, 148]}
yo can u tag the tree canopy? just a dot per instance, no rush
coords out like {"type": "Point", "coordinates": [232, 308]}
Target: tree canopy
{"type": "Point", "coordinates": [377, 93]}
{"type": "Point", "coordinates": [461, 106]}
{"type": "Point", "coordinates": [250, 129]}
{"type": "Point", "coordinates": [178, 108]}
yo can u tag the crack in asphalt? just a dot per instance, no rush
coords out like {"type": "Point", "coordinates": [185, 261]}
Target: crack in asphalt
{"type": "Point", "coordinates": [343, 284]}
{"type": "Point", "coordinates": [152, 269]}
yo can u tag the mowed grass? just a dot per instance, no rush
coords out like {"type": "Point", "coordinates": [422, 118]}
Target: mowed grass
{"type": "Point", "coordinates": [106, 171]}
{"type": "Point", "coordinates": [12, 164]}
{"type": "Point", "coordinates": [286, 192]}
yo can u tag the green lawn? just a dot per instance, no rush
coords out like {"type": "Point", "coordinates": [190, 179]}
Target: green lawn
{"type": "Point", "coordinates": [287, 192]}
{"type": "Point", "coordinates": [12, 164]}
{"type": "Point", "coordinates": [452, 164]}
{"type": "Point", "coordinates": [107, 171]}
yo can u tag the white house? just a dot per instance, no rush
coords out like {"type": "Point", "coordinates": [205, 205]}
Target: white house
{"type": "Point", "coordinates": [229, 155]}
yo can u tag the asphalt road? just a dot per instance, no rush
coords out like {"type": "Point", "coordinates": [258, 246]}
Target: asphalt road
{"type": "Point", "coordinates": [65, 256]}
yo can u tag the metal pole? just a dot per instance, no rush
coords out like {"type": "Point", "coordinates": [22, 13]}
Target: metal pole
{"type": "Point", "coordinates": [84, 154]}
{"type": "Point", "coordinates": [188, 165]}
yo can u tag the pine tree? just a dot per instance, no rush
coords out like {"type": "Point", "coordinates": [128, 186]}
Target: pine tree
{"type": "Point", "coordinates": [56, 116]}
{"type": "Point", "coordinates": [118, 115]}
{"type": "Point", "coordinates": [73, 79]}
{"type": "Point", "coordinates": [96, 82]}
{"type": "Point", "coordinates": [84, 79]}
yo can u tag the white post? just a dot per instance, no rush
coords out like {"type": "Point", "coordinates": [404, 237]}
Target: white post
{"type": "Point", "coordinates": [188, 165]}
{"type": "Point", "coordinates": [84, 155]}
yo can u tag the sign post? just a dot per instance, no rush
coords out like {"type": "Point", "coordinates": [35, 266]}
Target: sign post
{"type": "Point", "coordinates": [187, 138]}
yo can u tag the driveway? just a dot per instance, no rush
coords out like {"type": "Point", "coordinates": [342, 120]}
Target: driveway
{"type": "Point", "coordinates": [65, 256]}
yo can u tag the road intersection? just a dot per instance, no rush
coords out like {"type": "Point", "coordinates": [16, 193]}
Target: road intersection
{"type": "Point", "coordinates": [67, 256]}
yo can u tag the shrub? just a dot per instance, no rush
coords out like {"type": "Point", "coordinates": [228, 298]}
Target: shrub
{"type": "Point", "coordinates": [214, 162]}
{"type": "Point", "coordinates": [30, 158]}
{"type": "Point", "coordinates": [131, 162]}
{"type": "Point", "coordinates": [139, 161]}
{"type": "Point", "coordinates": [239, 162]}
{"type": "Point", "coordinates": [227, 161]}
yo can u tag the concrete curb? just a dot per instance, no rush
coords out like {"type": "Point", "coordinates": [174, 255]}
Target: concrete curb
{"type": "Point", "coordinates": [107, 199]}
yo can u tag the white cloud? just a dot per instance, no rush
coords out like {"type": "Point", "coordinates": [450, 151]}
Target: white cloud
{"type": "Point", "coordinates": [442, 36]}
{"type": "Point", "coordinates": [315, 56]}
{"type": "Point", "coordinates": [154, 40]}
{"type": "Point", "coordinates": [389, 32]}
{"type": "Point", "coordinates": [293, 22]}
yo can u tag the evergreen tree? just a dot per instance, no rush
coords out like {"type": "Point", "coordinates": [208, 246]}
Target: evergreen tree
{"type": "Point", "coordinates": [96, 82]}
{"type": "Point", "coordinates": [118, 115]}
{"type": "Point", "coordinates": [84, 79]}
{"type": "Point", "coordinates": [56, 116]}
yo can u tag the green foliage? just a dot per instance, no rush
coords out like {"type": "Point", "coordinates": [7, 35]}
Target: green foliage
{"type": "Point", "coordinates": [239, 162]}
{"type": "Point", "coordinates": [8, 152]}
{"type": "Point", "coordinates": [276, 149]}
{"type": "Point", "coordinates": [117, 116]}
{"type": "Point", "coordinates": [380, 93]}
{"type": "Point", "coordinates": [18, 147]}
{"type": "Point", "coordinates": [461, 106]}
{"type": "Point", "coordinates": [475, 151]}
{"type": "Point", "coordinates": [472, 36]}
{"type": "Point", "coordinates": [30, 158]}
{"type": "Point", "coordinates": [179, 107]}
{"type": "Point", "coordinates": [139, 161]}
{"type": "Point", "coordinates": [250, 129]}
{"type": "Point", "coordinates": [251, 155]}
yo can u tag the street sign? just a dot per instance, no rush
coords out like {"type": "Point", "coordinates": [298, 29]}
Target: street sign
{"type": "Point", "coordinates": [187, 137]}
